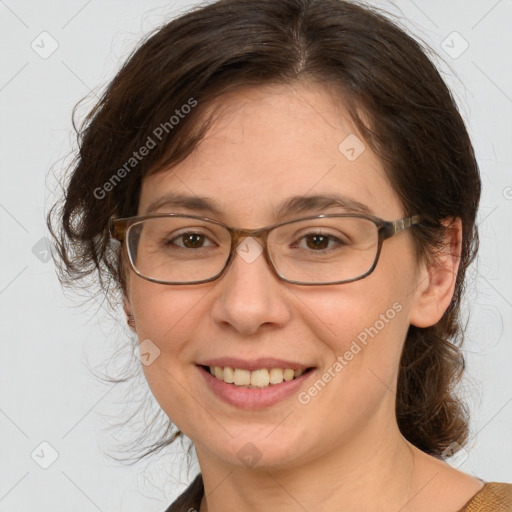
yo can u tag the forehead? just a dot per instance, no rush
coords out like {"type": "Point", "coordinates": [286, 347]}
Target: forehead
{"type": "Point", "coordinates": [267, 144]}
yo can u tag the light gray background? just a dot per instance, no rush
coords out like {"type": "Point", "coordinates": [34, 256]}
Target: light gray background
{"type": "Point", "coordinates": [48, 343]}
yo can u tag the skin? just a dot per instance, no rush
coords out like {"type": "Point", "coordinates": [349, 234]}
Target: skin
{"type": "Point", "coordinates": [344, 446]}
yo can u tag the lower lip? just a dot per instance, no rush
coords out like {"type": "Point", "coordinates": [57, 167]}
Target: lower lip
{"type": "Point", "coordinates": [252, 398]}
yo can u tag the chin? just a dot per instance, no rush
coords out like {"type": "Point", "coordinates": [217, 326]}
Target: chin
{"type": "Point", "coordinates": [257, 448]}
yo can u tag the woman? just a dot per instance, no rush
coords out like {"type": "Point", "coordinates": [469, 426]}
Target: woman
{"type": "Point", "coordinates": [293, 194]}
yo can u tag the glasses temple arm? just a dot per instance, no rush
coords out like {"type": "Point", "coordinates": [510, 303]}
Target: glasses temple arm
{"type": "Point", "coordinates": [401, 224]}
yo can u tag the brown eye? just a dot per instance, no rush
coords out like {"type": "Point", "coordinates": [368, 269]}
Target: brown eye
{"type": "Point", "coordinates": [189, 240]}
{"type": "Point", "coordinates": [318, 241]}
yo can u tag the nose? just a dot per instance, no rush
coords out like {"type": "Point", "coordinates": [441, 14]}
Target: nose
{"type": "Point", "coordinates": [249, 296]}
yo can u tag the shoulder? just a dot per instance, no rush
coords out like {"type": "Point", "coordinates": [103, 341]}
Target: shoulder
{"type": "Point", "coordinates": [493, 497]}
{"type": "Point", "coordinates": [190, 499]}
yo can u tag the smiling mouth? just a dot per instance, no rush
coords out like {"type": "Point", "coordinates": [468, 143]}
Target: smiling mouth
{"type": "Point", "coordinates": [256, 379]}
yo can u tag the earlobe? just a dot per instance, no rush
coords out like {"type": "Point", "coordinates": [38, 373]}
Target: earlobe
{"type": "Point", "coordinates": [130, 319]}
{"type": "Point", "coordinates": [436, 282]}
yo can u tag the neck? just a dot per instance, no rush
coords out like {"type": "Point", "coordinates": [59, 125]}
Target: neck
{"type": "Point", "coordinates": [373, 472]}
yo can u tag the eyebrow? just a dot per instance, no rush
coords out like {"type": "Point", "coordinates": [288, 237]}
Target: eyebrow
{"type": "Point", "coordinates": [293, 205]}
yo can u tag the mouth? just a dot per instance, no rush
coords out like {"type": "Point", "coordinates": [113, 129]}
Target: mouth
{"type": "Point", "coordinates": [259, 378]}
{"type": "Point", "coordinates": [254, 384]}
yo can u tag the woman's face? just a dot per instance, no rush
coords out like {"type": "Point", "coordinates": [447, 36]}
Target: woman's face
{"type": "Point", "coordinates": [268, 145]}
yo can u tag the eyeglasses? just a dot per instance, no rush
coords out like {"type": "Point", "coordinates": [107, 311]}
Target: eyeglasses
{"type": "Point", "coordinates": [172, 248]}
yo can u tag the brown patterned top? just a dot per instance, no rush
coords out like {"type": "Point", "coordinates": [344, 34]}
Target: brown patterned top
{"type": "Point", "coordinates": [492, 497]}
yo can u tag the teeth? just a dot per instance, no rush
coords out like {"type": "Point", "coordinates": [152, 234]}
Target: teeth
{"type": "Point", "coordinates": [229, 375]}
{"type": "Point", "coordinates": [260, 378]}
{"type": "Point", "coordinates": [276, 376]}
{"type": "Point", "coordinates": [242, 377]}
{"type": "Point", "coordinates": [288, 374]}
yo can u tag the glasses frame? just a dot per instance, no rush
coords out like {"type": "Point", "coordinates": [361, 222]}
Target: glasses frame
{"type": "Point", "coordinates": [119, 229]}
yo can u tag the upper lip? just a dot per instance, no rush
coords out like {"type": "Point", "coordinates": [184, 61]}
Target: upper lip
{"type": "Point", "coordinates": [255, 364]}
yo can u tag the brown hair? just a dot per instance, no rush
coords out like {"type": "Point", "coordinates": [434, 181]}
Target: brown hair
{"type": "Point", "coordinates": [392, 91]}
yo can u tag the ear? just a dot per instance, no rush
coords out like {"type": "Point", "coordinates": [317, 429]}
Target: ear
{"type": "Point", "coordinates": [436, 282]}
{"type": "Point", "coordinates": [130, 320]}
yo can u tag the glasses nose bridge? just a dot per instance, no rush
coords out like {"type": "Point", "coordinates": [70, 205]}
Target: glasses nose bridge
{"type": "Point", "coordinates": [238, 233]}
{"type": "Point", "coordinates": [241, 233]}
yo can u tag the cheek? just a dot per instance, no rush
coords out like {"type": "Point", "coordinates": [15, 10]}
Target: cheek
{"type": "Point", "coordinates": [163, 313]}
{"type": "Point", "coordinates": [361, 311]}
{"type": "Point", "coordinates": [362, 349]}
{"type": "Point", "coordinates": [165, 320]}
{"type": "Point", "coordinates": [372, 320]}
{"type": "Point", "coordinates": [360, 328]}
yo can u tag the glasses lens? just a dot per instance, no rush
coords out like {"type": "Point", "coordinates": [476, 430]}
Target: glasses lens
{"type": "Point", "coordinates": [324, 250]}
{"type": "Point", "coordinates": [178, 249]}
